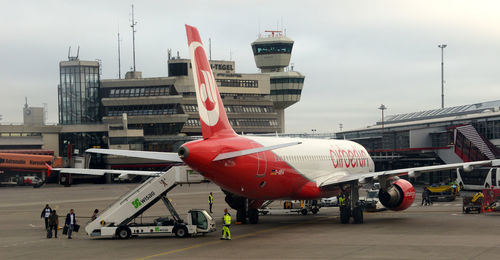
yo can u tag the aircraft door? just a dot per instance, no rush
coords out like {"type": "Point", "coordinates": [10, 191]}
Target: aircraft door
{"type": "Point", "coordinates": [262, 163]}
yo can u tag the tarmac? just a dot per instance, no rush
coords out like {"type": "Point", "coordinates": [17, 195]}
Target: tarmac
{"type": "Point", "coordinates": [440, 231]}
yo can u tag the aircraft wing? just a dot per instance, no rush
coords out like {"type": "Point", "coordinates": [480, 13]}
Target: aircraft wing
{"type": "Point", "coordinates": [160, 156]}
{"type": "Point", "coordinates": [412, 172]}
{"type": "Point", "coordinates": [103, 171]}
{"type": "Point", "coordinates": [224, 156]}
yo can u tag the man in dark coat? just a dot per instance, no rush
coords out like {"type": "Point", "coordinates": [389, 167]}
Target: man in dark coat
{"type": "Point", "coordinates": [53, 222]}
{"type": "Point", "coordinates": [45, 215]}
{"type": "Point", "coordinates": [70, 222]}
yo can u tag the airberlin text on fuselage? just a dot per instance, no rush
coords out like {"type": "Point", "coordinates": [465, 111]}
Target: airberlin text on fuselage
{"type": "Point", "coordinates": [353, 158]}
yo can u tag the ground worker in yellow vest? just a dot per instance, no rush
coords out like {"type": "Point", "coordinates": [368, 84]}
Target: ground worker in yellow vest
{"type": "Point", "coordinates": [341, 200]}
{"type": "Point", "coordinates": [210, 201]}
{"type": "Point", "coordinates": [226, 221]}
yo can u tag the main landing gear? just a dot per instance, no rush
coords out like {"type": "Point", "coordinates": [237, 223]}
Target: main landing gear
{"type": "Point", "coordinates": [243, 211]}
{"type": "Point", "coordinates": [352, 207]}
{"type": "Point", "coordinates": [252, 215]}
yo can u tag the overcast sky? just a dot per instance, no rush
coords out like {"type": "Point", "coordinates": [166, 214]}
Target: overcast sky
{"type": "Point", "coordinates": [355, 54]}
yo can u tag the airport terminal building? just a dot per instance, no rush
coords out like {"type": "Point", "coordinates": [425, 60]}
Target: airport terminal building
{"type": "Point", "coordinates": [159, 113]}
{"type": "Point", "coordinates": [449, 135]}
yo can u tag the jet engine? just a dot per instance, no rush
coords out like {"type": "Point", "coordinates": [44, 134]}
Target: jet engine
{"type": "Point", "coordinates": [397, 196]}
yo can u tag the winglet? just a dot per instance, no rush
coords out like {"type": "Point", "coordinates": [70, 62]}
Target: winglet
{"type": "Point", "coordinates": [213, 116]}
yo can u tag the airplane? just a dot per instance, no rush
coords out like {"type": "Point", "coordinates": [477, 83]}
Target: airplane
{"type": "Point", "coordinates": [253, 169]}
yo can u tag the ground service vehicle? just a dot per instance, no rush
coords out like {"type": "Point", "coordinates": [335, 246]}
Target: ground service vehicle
{"type": "Point", "coordinates": [198, 221]}
{"type": "Point", "coordinates": [443, 192]}
{"type": "Point", "coordinates": [25, 169]}
{"type": "Point", "coordinates": [23, 180]}
{"type": "Point", "coordinates": [291, 207]}
{"type": "Point", "coordinates": [329, 202]}
{"type": "Point", "coordinates": [473, 203]}
{"type": "Point", "coordinates": [371, 202]}
{"type": "Point", "coordinates": [118, 220]}
{"type": "Point", "coordinates": [478, 179]}
{"type": "Point", "coordinates": [491, 201]}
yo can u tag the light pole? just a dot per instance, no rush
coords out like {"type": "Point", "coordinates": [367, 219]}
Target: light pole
{"type": "Point", "coordinates": [442, 46]}
{"type": "Point", "coordinates": [382, 108]}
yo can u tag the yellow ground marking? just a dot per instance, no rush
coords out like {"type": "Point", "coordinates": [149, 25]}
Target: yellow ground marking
{"type": "Point", "coordinates": [234, 238]}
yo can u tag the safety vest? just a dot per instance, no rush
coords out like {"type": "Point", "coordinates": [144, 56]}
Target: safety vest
{"type": "Point", "coordinates": [210, 199]}
{"type": "Point", "coordinates": [227, 219]}
{"type": "Point", "coordinates": [341, 201]}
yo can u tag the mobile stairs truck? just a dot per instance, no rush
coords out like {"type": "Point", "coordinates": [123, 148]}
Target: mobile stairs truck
{"type": "Point", "coordinates": [117, 220]}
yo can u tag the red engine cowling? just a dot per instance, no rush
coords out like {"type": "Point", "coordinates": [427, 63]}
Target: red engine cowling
{"type": "Point", "coordinates": [399, 196]}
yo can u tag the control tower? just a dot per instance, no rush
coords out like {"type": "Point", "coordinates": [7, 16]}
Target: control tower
{"type": "Point", "coordinates": [272, 55]}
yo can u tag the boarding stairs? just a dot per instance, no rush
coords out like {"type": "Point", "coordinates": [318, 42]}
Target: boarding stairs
{"type": "Point", "coordinates": [132, 204]}
{"type": "Point", "coordinates": [471, 146]}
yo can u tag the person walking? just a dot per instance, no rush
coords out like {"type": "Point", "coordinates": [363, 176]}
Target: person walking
{"type": "Point", "coordinates": [53, 223]}
{"type": "Point", "coordinates": [226, 220]}
{"type": "Point", "coordinates": [45, 215]}
{"type": "Point", "coordinates": [424, 197]}
{"type": "Point", "coordinates": [70, 222]}
{"type": "Point", "coordinates": [210, 201]}
{"type": "Point", "coordinates": [428, 197]}
{"type": "Point", "coordinates": [94, 216]}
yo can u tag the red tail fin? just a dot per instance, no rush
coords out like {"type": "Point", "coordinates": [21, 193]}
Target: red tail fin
{"type": "Point", "coordinates": [49, 169]}
{"type": "Point", "coordinates": [213, 116]}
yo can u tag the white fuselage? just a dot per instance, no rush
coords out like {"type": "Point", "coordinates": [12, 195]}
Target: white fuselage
{"type": "Point", "coordinates": [320, 159]}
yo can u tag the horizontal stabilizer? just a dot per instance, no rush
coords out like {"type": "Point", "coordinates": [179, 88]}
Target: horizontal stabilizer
{"type": "Point", "coordinates": [223, 156]}
{"type": "Point", "coordinates": [160, 156]}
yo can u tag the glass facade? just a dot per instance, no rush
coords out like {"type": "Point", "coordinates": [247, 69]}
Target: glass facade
{"type": "Point", "coordinates": [237, 83]}
{"type": "Point", "coordinates": [241, 122]}
{"type": "Point", "coordinates": [78, 93]}
{"type": "Point", "coordinates": [236, 109]}
{"type": "Point", "coordinates": [139, 92]}
{"type": "Point", "coordinates": [286, 91]}
{"type": "Point", "coordinates": [272, 48]}
{"type": "Point", "coordinates": [158, 128]}
{"type": "Point", "coordinates": [287, 80]}
{"type": "Point", "coordinates": [177, 69]}
{"type": "Point", "coordinates": [140, 110]}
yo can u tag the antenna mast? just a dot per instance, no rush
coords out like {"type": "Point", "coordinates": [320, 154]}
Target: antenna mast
{"type": "Point", "coordinates": [119, 57]}
{"type": "Point", "coordinates": [133, 34]}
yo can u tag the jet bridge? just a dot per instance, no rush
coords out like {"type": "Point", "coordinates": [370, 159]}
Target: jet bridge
{"type": "Point", "coordinates": [134, 203]}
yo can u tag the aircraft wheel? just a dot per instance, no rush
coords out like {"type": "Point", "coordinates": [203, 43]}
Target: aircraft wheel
{"type": "Point", "coordinates": [344, 215]}
{"type": "Point", "coordinates": [241, 216]}
{"type": "Point", "coordinates": [314, 210]}
{"type": "Point", "coordinates": [357, 214]}
{"type": "Point", "coordinates": [303, 212]}
{"type": "Point", "coordinates": [123, 232]}
{"type": "Point", "coordinates": [253, 216]}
